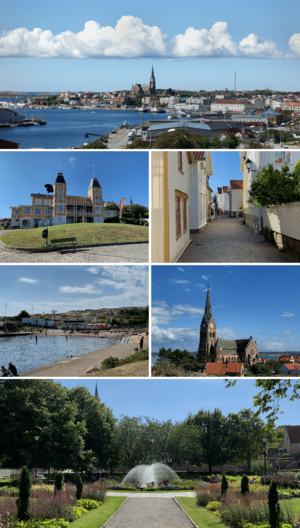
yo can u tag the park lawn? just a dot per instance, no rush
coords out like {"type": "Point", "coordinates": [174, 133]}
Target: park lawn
{"type": "Point", "coordinates": [96, 518]}
{"type": "Point", "coordinates": [136, 369]}
{"type": "Point", "coordinates": [201, 516]}
{"type": "Point", "coordinates": [294, 504]}
{"type": "Point", "coordinates": [85, 234]}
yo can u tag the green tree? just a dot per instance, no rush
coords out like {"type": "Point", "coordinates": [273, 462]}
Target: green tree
{"type": "Point", "coordinates": [95, 145]}
{"type": "Point", "coordinates": [258, 467]}
{"type": "Point", "coordinates": [79, 487]}
{"type": "Point", "coordinates": [58, 481]}
{"type": "Point", "coordinates": [274, 507]}
{"type": "Point", "coordinates": [274, 187]}
{"type": "Point", "coordinates": [244, 484]}
{"type": "Point", "coordinates": [139, 144]}
{"type": "Point", "coordinates": [23, 500]}
{"type": "Point", "coordinates": [180, 139]}
{"type": "Point", "coordinates": [211, 443]}
{"type": "Point", "coordinates": [230, 142]}
{"type": "Point", "coordinates": [23, 313]}
{"type": "Point", "coordinates": [131, 441]}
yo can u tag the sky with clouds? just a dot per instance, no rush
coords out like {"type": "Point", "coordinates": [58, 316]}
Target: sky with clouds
{"type": "Point", "coordinates": [66, 288]}
{"type": "Point", "coordinates": [120, 174]}
{"type": "Point", "coordinates": [145, 397]}
{"type": "Point", "coordinates": [262, 301]}
{"type": "Point", "coordinates": [114, 45]}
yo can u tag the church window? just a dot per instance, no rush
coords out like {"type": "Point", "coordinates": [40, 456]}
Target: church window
{"type": "Point", "coordinates": [178, 217]}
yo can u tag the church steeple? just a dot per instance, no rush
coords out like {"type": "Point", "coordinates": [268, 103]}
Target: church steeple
{"type": "Point", "coordinates": [96, 391]}
{"type": "Point", "coordinates": [208, 329]}
{"type": "Point", "coordinates": [208, 310]}
{"type": "Point", "coordinates": [152, 84]}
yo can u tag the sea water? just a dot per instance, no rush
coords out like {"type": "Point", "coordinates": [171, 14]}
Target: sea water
{"type": "Point", "coordinates": [27, 353]}
{"type": "Point", "coordinates": [67, 128]}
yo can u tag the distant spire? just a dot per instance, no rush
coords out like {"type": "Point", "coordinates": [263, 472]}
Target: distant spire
{"type": "Point", "coordinates": [96, 391]}
{"type": "Point", "coordinates": [131, 201]}
{"type": "Point", "coordinates": [208, 310]}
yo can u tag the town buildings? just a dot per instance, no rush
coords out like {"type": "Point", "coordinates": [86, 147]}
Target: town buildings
{"type": "Point", "coordinates": [224, 350]}
{"type": "Point", "coordinates": [61, 208]}
{"type": "Point", "coordinates": [147, 89]}
{"type": "Point", "coordinates": [235, 195]}
{"type": "Point", "coordinates": [291, 439]}
{"type": "Point", "coordinates": [180, 198]}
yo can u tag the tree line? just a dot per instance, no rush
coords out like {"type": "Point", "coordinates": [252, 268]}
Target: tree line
{"type": "Point", "coordinates": [77, 431]}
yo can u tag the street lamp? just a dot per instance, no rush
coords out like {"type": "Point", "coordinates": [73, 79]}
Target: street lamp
{"type": "Point", "coordinates": [36, 450]}
{"type": "Point", "coordinates": [249, 164]}
{"type": "Point", "coordinates": [49, 188]}
{"type": "Point", "coordinates": [265, 454]}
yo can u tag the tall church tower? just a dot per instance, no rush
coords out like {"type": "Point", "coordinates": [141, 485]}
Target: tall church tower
{"type": "Point", "coordinates": [152, 84]}
{"type": "Point", "coordinates": [95, 195]}
{"type": "Point", "coordinates": [208, 329]}
{"type": "Point", "coordinates": [59, 200]}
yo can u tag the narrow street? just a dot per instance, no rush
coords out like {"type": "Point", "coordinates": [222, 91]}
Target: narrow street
{"type": "Point", "coordinates": [228, 240]}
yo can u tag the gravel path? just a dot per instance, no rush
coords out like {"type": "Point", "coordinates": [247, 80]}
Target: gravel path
{"type": "Point", "coordinates": [227, 240]}
{"type": "Point", "coordinates": [151, 513]}
{"type": "Point", "coordinates": [114, 254]}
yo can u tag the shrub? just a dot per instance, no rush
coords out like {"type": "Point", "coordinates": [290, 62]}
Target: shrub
{"type": "Point", "coordinates": [283, 481]}
{"type": "Point", "coordinates": [7, 505]}
{"type": "Point", "coordinates": [48, 523]}
{"type": "Point", "coordinates": [244, 485]}
{"type": "Point", "coordinates": [224, 485]}
{"type": "Point", "coordinates": [48, 506]}
{"type": "Point", "coordinates": [274, 508]}
{"type": "Point", "coordinates": [23, 500]}
{"type": "Point", "coordinates": [237, 509]}
{"type": "Point", "coordinates": [207, 493]}
{"type": "Point", "coordinates": [58, 481]}
{"type": "Point", "coordinates": [95, 491]}
{"type": "Point", "coordinates": [79, 487]}
{"type": "Point", "coordinates": [89, 504]}
{"type": "Point", "coordinates": [78, 511]}
{"type": "Point", "coordinates": [213, 506]}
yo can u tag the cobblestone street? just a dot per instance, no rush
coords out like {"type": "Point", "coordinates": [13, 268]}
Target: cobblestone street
{"type": "Point", "coordinates": [115, 254]}
{"type": "Point", "coordinates": [150, 512]}
{"type": "Point", "coordinates": [228, 240]}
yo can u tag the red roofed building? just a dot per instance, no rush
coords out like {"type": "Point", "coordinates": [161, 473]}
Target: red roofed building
{"type": "Point", "coordinates": [235, 193]}
{"type": "Point", "coordinates": [224, 369]}
{"type": "Point", "coordinates": [291, 439]}
{"type": "Point", "coordinates": [291, 369]}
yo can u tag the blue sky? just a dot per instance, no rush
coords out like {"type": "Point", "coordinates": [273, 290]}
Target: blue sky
{"type": "Point", "coordinates": [105, 46]}
{"type": "Point", "coordinates": [120, 174]}
{"type": "Point", "coordinates": [66, 288]}
{"type": "Point", "coordinates": [145, 397]}
{"type": "Point", "coordinates": [262, 301]}
{"type": "Point", "coordinates": [226, 166]}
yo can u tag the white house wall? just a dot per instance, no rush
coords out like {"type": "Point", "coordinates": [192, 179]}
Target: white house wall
{"type": "Point", "coordinates": [178, 181]}
{"type": "Point", "coordinates": [157, 213]}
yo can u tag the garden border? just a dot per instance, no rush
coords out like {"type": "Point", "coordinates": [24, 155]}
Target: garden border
{"type": "Point", "coordinates": [104, 525]}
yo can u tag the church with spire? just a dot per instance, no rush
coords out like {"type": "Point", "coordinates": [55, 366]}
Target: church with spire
{"type": "Point", "coordinates": [224, 350]}
{"type": "Point", "coordinates": [146, 89]}
{"type": "Point", "coordinates": [61, 208]}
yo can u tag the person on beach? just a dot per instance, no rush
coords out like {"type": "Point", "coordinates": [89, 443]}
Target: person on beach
{"type": "Point", "coordinates": [12, 369]}
{"type": "Point", "coordinates": [36, 339]}
{"type": "Point", "coordinates": [4, 371]}
{"type": "Point", "coordinates": [141, 343]}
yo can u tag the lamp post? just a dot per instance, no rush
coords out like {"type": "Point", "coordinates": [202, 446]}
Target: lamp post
{"type": "Point", "coordinates": [45, 232]}
{"type": "Point", "coordinates": [36, 451]}
{"type": "Point", "coordinates": [248, 164]}
{"type": "Point", "coordinates": [265, 454]}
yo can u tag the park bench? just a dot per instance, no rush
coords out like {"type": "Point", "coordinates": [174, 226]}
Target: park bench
{"type": "Point", "coordinates": [63, 240]}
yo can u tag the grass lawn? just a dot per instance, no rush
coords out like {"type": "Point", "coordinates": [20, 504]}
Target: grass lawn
{"type": "Point", "coordinates": [96, 518]}
{"type": "Point", "coordinates": [294, 504]}
{"type": "Point", "coordinates": [136, 369]}
{"type": "Point", "coordinates": [85, 234]}
{"type": "Point", "coordinates": [200, 516]}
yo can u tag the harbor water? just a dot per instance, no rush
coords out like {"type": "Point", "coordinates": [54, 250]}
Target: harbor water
{"type": "Point", "coordinates": [26, 353]}
{"type": "Point", "coordinates": [67, 128]}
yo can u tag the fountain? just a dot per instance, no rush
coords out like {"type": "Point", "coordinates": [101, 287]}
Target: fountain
{"type": "Point", "coordinates": [145, 474]}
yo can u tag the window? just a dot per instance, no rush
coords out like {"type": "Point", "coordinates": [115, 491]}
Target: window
{"type": "Point", "coordinates": [38, 201]}
{"type": "Point", "coordinates": [47, 211]}
{"type": "Point", "coordinates": [47, 202]}
{"type": "Point", "coordinates": [60, 195]}
{"type": "Point", "coordinates": [16, 212]}
{"type": "Point", "coordinates": [178, 219]}
{"type": "Point", "coordinates": [184, 216]}
{"type": "Point", "coordinates": [60, 208]}
{"type": "Point", "coordinates": [97, 198]}
{"type": "Point", "coordinates": [180, 161]}
{"type": "Point", "coordinates": [38, 211]}
{"type": "Point", "coordinates": [97, 210]}
{"type": "Point", "coordinates": [27, 210]}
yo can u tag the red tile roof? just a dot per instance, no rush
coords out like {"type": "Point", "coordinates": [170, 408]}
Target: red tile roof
{"type": "Point", "coordinates": [292, 366]}
{"type": "Point", "coordinates": [198, 154]}
{"type": "Point", "coordinates": [223, 368]}
{"type": "Point", "coordinates": [233, 101]}
{"type": "Point", "coordinates": [225, 188]}
{"type": "Point", "coordinates": [294, 433]}
{"type": "Point", "coordinates": [236, 184]}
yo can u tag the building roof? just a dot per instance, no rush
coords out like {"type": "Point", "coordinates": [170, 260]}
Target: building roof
{"type": "Point", "coordinates": [292, 366]}
{"type": "Point", "coordinates": [94, 183]}
{"type": "Point", "coordinates": [234, 346]}
{"type": "Point", "coordinates": [294, 433]}
{"type": "Point", "coordinates": [208, 310]}
{"type": "Point", "coordinates": [225, 188]}
{"type": "Point", "coordinates": [236, 184]}
{"type": "Point", "coordinates": [199, 154]}
{"type": "Point", "coordinates": [223, 368]}
{"type": "Point", "coordinates": [60, 178]}
{"type": "Point", "coordinates": [38, 195]}
{"type": "Point", "coordinates": [232, 101]}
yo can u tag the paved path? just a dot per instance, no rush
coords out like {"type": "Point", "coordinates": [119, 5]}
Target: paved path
{"type": "Point", "coordinates": [227, 240]}
{"type": "Point", "coordinates": [149, 513]}
{"type": "Point", "coordinates": [120, 253]}
{"type": "Point", "coordinates": [78, 365]}
{"type": "Point", "coordinates": [166, 495]}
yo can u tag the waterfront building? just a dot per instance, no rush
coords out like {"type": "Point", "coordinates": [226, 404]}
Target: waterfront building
{"type": "Point", "coordinates": [61, 208]}
{"type": "Point", "coordinates": [10, 116]}
{"type": "Point", "coordinates": [232, 105]}
{"type": "Point", "coordinates": [224, 350]}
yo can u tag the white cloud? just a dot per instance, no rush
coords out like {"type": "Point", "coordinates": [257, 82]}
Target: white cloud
{"type": "Point", "coordinates": [131, 38]}
{"type": "Point", "coordinates": [205, 277]}
{"type": "Point", "coordinates": [287, 331]}
{"type": "Point", "coordinates": [29, 281]}
{"type": "Point", "coordinates": [294, 43]}
{"type": "Point", "coordinates": [93, 270]}
{"type": "Point", "coordinates": [288, 314]}
{"type": "Point", "coordinates": [227, 333]}
{"type": "Point", "coordinates": [89, 288]}
{"type": "Point", "coordinates": [189, 309]}
{"type": "Point", "coordinates": [159, 335]}
{"type": "Point", "coordinates": [72, 160]}
{"type": "Point", "coordinates": [177, 281]}
{"type": "Point", "coordinates": [181, 269]}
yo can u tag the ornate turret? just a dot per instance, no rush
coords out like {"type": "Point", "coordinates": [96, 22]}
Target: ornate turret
{"type": "Point", "coordinates": [208, 329]}
{"type": "Point", "coordinates": [59, 199]}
